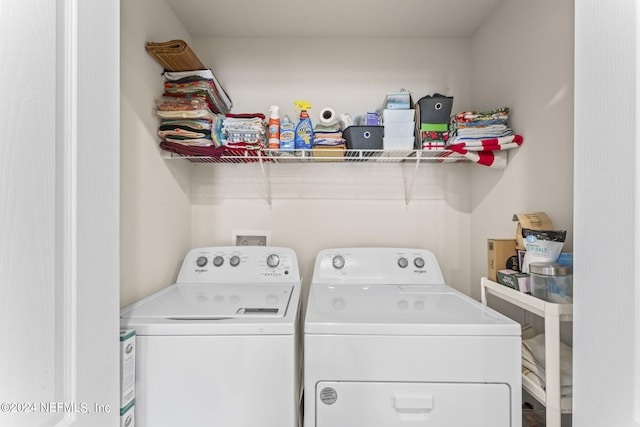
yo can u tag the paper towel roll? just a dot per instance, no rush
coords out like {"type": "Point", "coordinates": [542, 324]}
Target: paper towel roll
{"type": "Point", "coordinates": [328, 117]}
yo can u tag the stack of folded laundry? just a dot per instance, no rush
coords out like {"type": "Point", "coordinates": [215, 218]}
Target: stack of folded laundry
{"type": "Point", "coordinates": [192, 109]}
{"type": "Point", "coordinates": [245, 131]}
{"type": "Point", "coordinates": [197, 84]}
{"type": "Point", "coordinates": [188, 126]}
{"type": "Point", "coordinates": [483, 137]}
{"type": "Point", "coordinates": [328, 141]}
{"type": "Point", "coordinates": [533, 363]}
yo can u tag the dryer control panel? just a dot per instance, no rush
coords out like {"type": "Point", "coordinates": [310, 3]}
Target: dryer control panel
{"type": "Point", "coordinates": [240, 264]}
{"type": "Point", "coordinates": [377, 266]}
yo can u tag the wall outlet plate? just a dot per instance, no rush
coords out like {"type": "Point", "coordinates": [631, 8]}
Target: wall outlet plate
{"type": "Point", "coordinates": [250, 238]}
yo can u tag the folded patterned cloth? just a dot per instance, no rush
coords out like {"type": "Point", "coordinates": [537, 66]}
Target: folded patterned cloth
{"type": "Point", "coordinates": [186, 150]}
{"type": "Point", "coordinates": [203, 76]}
{"type": "Point", "coordinates": [484, 131]}
{"type": "Point", "coordinates": [500, 114]}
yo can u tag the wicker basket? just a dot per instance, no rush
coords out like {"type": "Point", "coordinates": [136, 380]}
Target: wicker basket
{"type": "Point", "coordinates": [174, 55]}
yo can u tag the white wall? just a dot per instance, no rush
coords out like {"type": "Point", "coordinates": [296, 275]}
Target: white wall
{"type": "Point", "coordinates": [155, 209]}
{"type": "Point", "coordinates": [523, 59]}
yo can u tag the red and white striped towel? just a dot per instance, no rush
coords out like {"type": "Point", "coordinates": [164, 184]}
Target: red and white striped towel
{"type": "Point", "coordinates": [488, 152]}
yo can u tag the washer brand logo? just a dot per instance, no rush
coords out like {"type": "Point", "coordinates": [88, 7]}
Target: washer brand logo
{"type": "Point", "coordinates": [201, 270]}
{"type": "Point", "coordinates": [420, 271]}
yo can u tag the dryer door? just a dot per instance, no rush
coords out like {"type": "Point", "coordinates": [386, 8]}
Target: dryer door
{"type": "Point", "coordinates": [389, 404]}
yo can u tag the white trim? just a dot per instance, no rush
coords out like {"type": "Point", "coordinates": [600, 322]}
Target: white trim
{"type": "Point", "coordinates": [68, 54]}
{"type": "Point", "coordinates": [636, 225]}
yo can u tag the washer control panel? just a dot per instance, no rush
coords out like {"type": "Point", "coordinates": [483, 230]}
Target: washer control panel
{"type": "Point", "coordinates": [377, 266]}
{"type": "Point", "coordinates": [239, 264]}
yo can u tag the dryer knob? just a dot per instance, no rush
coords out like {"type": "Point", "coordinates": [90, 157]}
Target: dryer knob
{"type": "Point", "coordinates": [338, 262]}
{"type": "Point", "coordinates": [418, 262]}
{"type": "Point", "coordinates": [234, 261]}
{"type": "Point", "coordinates": [273, 260]}
{"type": "Point", "coordinates": [402, 262]}
{"type": "Point", "coordinates": [218, 261]}
{"type": "Point", "coordinates": [201, 261]}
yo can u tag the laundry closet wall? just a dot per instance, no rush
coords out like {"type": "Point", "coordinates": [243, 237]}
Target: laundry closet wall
{"type": "Point", "coordinates": [169, 206]}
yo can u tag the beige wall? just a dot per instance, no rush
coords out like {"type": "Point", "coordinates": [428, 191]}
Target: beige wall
{"type": "Point", "coordinates": [155, 212]}
{"type": "Point", "coordinates": [523, 59]}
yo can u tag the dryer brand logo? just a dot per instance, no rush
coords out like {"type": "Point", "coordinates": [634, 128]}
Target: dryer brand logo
{"type": "Point", "coordinates": [272, 274]}
{"type": "Point", "coordinates": [420, 271]}
{"type": "Point", "coordinates": [201, 270]}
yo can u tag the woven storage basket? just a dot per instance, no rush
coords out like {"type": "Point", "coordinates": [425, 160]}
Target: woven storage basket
{"type": "Point", "coordinates": [174, 55]}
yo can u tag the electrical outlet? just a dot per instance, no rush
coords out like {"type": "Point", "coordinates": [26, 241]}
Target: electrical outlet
{"type": "Point", "coordinates": [250, 238]}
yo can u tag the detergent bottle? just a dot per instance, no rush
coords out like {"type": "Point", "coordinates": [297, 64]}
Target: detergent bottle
{"type": "Point", "coordinates": [274, 128]}
{"type": "Point", "coordinates": [287, 134]}
{"type": "Point", "coordinates": [304, 128]}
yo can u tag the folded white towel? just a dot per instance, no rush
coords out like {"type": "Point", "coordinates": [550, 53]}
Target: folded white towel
{"type": "Point", "coordinates": [533, 355]}
{"type": "Point", "coordinates": [564, 390]}
{"type": "Point", "coordinates": [536, 346]}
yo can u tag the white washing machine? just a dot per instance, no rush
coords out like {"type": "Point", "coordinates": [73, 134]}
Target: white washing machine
{"type": "Point", "coordinates": [389, 344]}
{"type": "Point", "coordinates": [220, 346]}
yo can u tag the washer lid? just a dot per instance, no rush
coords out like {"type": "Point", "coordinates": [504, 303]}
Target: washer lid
{"type": "Point", "coordinates": [401, 310]}
{"type": "Point", "coordinates": [214, 309]}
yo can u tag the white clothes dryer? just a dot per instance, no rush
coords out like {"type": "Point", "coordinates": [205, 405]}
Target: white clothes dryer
{"type": "Point", "coordinates": [389, 344]}
{"type": "Point", "coordinates": [220, 346]}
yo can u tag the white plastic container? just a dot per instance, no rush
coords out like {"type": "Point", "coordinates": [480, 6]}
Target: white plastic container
{"type": "Point", "coordinates": [398, 116]}
{"type": "Point", "coordinates": [398, 142]}
{"type": "Point", "coordinates": [399, 129]}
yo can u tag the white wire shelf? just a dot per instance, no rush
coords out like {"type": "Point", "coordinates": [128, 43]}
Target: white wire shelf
{"type": "Point", "coordinates": [268, 157]}
{"type": "Point", "coordinates": [324, 155]}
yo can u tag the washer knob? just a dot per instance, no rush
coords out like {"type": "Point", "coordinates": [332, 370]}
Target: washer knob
{"type": "Point", "coordinates": [273, 260]}
{"type": "Point", "coordinates": [234, 261]}
{"type": "Point", "coordinates": [402, 262]}
{"type": "Point", "coordinates": [218, 261]}
{"type": "Point", "coordinates": [418, 262]}
{"type": "Point", "coordinates": [201, 261]}
{"type": "Point", "coordinates": [338, 261]}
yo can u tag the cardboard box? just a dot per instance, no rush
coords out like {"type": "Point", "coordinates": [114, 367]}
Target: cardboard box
{"type": "Point", "coordinates": [499, 251]}
{"type": "Point", "coordinates": [515, 280]}
{"type": "Point", "coordinates": [533, 221]}
{"type": "Point", "coordinates": [328, 153]}
{"type": "Point", "coordinates": [127, 366]}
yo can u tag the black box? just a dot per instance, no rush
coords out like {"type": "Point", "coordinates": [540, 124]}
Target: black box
{"type": "Point", "coordinates": [434, 109]}
{"type": "Point", "coordinates": [364, 137]}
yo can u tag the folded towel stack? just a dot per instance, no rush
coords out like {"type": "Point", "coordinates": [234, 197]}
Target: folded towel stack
{"type": "Point", "coordinates": [245, 131]}
{"type": "Point", "coordinates": [191, 110]}
{"type": "Point", "coordinates": [483, 137]}
{"type": "Point", "coordinates": [533, 363]}
{"type": "Point", "coordinates": [197, 84]}
{"type": "Point", "coordinates": [328, 136]}
{"type": "Point", "coordinates": [188, 122]}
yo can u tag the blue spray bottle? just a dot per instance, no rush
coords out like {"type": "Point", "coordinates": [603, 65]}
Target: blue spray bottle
{"type": "Point", "coordinates": [304, 128]}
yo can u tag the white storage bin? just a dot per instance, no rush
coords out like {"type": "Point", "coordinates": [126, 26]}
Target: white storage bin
{"type": "Point", "coordinates": [395, 116]}
{"type": "Point", "coordinates": [398, 142]}
{"type": "Point", "coordinates": [399, 129]}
